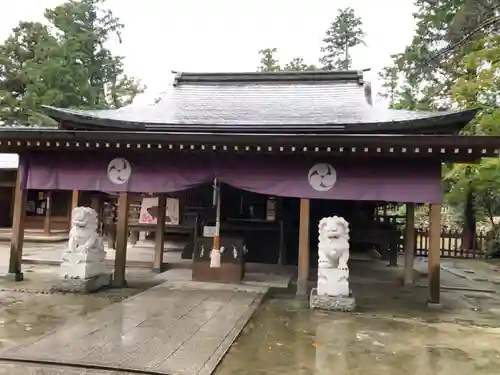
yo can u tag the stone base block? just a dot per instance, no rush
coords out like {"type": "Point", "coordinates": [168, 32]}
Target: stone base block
{"type": "Point", "coordinates": [333, 282]}
{"type": "Point", "coordinates": [90, 285]}
{"type": "Point", "coordinates": [329, 303]}
{"type": "Point", "coordinates": [18, 276]}
{"type": "Point", "coordinates": [83, 265]}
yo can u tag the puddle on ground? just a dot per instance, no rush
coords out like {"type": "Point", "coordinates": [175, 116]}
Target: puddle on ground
{"type": "Point", "coordinates": [285, 337]}
{"type": "Point", "coordinates": [28, 309]}
{"type": "Point", "coordinates": [25, 315]}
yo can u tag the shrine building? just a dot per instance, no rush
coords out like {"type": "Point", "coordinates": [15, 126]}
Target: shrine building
{"type": "Point", "coordinates": [283, 149]}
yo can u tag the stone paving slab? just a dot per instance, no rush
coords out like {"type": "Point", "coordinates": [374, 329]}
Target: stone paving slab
{"type": "Point", "coordinates": [173, 328]}
{"type": "Point", "coordinates": [13, 368]}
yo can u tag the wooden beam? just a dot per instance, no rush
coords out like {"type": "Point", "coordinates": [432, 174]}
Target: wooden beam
{"type": "Point", "coordinates": [17, 239]}
{"type": "Point", "coordinates": [409, 244]}
{"type": "Point", "coordinates": [119, 279]}
{"type": "Point", "coordinates": [434, 254]}
{"type": "Point", "coordinates": [303, 264]}
{"type": "Point", "coordinates": [48, 213]}
{"type": "Point", "coordinates": [160, 235]}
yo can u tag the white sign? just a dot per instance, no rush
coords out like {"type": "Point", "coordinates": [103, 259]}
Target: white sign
{"type": "Point", "coordinates": [119, 171]}
{"type": "Point", "coordinates": [149, 211]}
{"type": "Point", "coordinates": [322, 177]}
{"type": "Point", "coordinates": [208, 231]}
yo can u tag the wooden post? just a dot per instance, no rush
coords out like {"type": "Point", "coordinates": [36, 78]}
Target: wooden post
{"type": "Point", "coordinates": [434, 254]}
{"type": "Point", "coordinates": [17, 239]}
{"type": "Point", "coordinates": [119, 280]}
{"type": "Point", "coordinates": [75, 196]}
{"type": "Point", "coordinates": [48, 213]}
{"type": "Point", "coordinates": [303, 266]}
{"type": "Point", "coordinates": [160, 234]}
{"type": "Point", "coordinates": [281, 248]}
{"type": "Point", "coordinates": [409, 244]}
{"type": "Point", "coordinates": [215, 255]}
{"type": "Point", "coordinates": [74, 200]}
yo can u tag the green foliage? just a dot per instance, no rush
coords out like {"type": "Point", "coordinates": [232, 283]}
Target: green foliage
{"type": "Point", "coordinates": [453, 61]}
{"type": "Point", "coordinates": [270, 63]}
{"type": "Point", "coordinates": [344, 33]}
{"type": "Point", "coordinates": [298, 64]}
{"type": "Point", "coordinates": [65, 64]}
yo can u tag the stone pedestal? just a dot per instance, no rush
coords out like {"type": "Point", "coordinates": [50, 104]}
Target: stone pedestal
{"type": "Point", "coordinates": [333, 282]}
{"type": "Point", "coordinates": [333, 291]}
{"type": "Point", "coordinates": [90, 285]}
{"type": "Point", "coordinates": [330, 303]}
{"type": "Point", "coordinates": [83, 267]}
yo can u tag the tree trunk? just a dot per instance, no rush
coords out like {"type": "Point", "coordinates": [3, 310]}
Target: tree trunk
{"type": "Point", "coordinates": [469, 229]}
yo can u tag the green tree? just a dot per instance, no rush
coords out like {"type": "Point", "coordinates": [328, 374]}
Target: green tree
{"type": "Point", "coordinates": [29, 46]}
{"type": "Point", "coordinates": [270, 63]}
{"type": "Point", "coordinates": [298, 64]}
{"type": "Point", "coordinates": [84, 29]}
{"type": "Point", "coordinates": [268, 60]}
{"type": "Point", "coordinates": [344, 33]}
{"type": "Point", "coordinates": [390, 79]}
{"type": "Point", "coordinates": [439, 69]}
{"type": "Point", "coordinates": [66, 65]}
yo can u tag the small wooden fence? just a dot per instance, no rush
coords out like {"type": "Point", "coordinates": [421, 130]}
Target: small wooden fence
{"type": "Point", "coordinates": [451, 244]}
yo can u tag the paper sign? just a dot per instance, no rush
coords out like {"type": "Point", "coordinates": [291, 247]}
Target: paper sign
{"type": "Point", "coordinates": [149, 211]}
{"type": "Point", "coordinates": [208, 231]}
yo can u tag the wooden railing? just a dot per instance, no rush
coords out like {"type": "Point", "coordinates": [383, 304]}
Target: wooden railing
{"type": "Point", "coordinates": [451, 244]}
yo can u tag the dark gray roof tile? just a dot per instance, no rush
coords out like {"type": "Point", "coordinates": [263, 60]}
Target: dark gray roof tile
{"type": "Point", "coordinates": [246, 100]}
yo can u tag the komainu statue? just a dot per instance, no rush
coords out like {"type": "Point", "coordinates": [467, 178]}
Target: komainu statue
{"type": "Point", "coordinates": [85, 255]}
{"type": "Point", "coordinates": [333, 292]}
{"type": "Point", "coordinates": [333, 254]}
{"type": "Point", "coordinates": [333, 246]}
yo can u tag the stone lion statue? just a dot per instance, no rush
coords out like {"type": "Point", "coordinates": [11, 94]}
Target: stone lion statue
{"type": "Point", "coordinates": [84, 257]}
{"type": "Point", "coordinates": [83, 235]}
{"type": "Point", "coordinates": [333, 247]}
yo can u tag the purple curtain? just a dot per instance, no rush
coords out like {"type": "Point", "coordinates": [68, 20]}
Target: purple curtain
{"type": "Point", "coordinates": [375, 179]}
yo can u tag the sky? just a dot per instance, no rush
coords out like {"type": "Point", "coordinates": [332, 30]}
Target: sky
{"type": "Point", "coordinates": [226, 35]}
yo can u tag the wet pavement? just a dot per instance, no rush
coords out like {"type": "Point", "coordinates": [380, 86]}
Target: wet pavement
{"type": "Point", "coordinates": [287, 338]}
{"type": "Point", "coordinates": [172, 328]}
{"type": "Point", "coordinates": [391, 332]}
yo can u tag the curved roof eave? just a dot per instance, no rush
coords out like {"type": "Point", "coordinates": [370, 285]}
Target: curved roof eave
{"type": "Point", "coordinates": [452, 121]}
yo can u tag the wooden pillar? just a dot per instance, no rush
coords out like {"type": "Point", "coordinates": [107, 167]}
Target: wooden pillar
{"type": "Point", "coordinates": [160, 235]}
{"type": "Point", "coordinates": [48, 213]}
{"type": "Point", "coordinates": [119, 280]}
{"type": "Point", "coordinates": [281, 249]}
{"type": "Point", "coordinates": [17, 239]}
{"type": "Point", "coordinates": [74, 200]}
{"type": "Point", "coordinates": [434, 254]}
{"type": "Point", "coordinates": [303, 264]}
{"type": "Point", "coordinates": [409, 244]}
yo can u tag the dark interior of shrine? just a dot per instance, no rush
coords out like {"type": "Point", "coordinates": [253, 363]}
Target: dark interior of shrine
{"type": "Point", "coordinates": [269, 226]}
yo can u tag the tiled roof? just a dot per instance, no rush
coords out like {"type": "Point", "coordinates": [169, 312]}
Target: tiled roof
{"type": "Point", "coordinates": [253, 101]}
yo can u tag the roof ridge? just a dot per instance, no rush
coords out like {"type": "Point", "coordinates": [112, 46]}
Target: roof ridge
{"type": "Point", "coordinates": [269, 77]}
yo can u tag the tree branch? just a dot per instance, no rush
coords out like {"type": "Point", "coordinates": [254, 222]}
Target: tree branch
{"type": "Point", "coordinates": [489, 22]}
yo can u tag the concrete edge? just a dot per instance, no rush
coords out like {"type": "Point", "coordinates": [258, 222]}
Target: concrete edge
{"type": "Point", "coordinates": [460, 288]}
{"type": "Point", "coordinates": [211, 365]}
{"type": "Point", "coordinates": [78, 365]}
{"type": "Point", "coordinates": [131, 263]}
{"type": "Point", "coordinates": [48, 240]}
